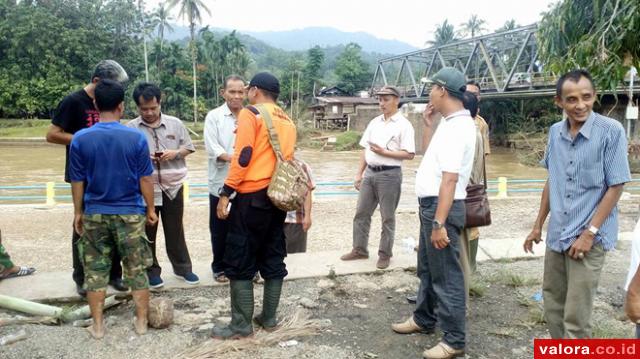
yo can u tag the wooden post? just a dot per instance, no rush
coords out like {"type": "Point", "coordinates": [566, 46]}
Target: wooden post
{"type": "Point", "coordinates": [185, 192]}
{"type": "Point", "coordinates": [502, 187]}
{"type": "Point", "coordinates": [51, 194]}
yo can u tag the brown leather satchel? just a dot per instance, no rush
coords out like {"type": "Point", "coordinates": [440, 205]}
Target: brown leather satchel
{"type": "Point", "coordinates": [477, 203]}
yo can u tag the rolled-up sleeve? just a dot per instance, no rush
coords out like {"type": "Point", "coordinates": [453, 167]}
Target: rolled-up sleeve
{"type": "Point", "coordinates": [616, 162]}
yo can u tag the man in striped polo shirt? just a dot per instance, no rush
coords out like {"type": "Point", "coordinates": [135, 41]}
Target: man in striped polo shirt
{"type": "Point", "coordinates": [169, 143]}
{"type": "Point", "coordinates": [586, 158]}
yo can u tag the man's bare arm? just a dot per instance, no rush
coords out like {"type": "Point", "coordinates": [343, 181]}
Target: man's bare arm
{"type": "Point", "coordinates": [56, 135]}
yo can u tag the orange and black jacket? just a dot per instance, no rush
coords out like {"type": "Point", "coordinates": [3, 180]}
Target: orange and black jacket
{"type": "Point", "coordinates": [253, 159]}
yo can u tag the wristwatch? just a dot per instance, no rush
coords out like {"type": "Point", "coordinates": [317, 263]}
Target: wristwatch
{"type": "Point", "coordinates": [593, 229]}
{"type": "Point", "coordinates": [224, 192]}
{"type": "Point", "coordinates": [436, 224]}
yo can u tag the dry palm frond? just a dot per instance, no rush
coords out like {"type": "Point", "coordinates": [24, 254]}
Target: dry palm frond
{"type": "Point", "coordinates": [296, 326]}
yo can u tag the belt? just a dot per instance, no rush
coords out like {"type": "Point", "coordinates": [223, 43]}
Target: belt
{"type": "Point", "coordinates": [425, 201]}
{"type": "Point", "coordinates": [382, 168]}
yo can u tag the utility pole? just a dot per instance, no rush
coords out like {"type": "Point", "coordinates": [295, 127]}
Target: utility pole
{"type": "Point", "coordinates": [298, 104]}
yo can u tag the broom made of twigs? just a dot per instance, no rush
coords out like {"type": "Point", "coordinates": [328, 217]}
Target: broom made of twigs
{"type": "Point", "coordinates": [297, 325]}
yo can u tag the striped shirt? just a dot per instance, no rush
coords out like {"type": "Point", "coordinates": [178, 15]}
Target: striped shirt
{"type": "Point", "coordinates": [580, 171]}
{"type": "Point", "coordinates": [171, 134]}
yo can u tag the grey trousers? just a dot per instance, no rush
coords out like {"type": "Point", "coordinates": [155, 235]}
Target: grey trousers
{"type": "Point", "coordinates": [381, 188]}
{"type": "Point", "coordinates": [569, 287]}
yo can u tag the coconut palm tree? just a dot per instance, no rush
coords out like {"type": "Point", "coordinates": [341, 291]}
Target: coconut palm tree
{"type": "Point", "coordinates": [444, 34]}
{"type": "Point", "coordinates": [474, 26]}
{"type": "Point", "coordinates": [161, 15]}
{"type": "Point", "coordinates": [191, 10]}
{"type": "Point", "coordinates": [508, 25]}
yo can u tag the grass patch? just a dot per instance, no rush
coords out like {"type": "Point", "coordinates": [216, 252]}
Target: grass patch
{"type": "Point", "coordinates": [607, 330]}
{"type": "Point", "coordinates": [347, 141]}
{"type": "Point", "coordinates": [536, 316]}
{"type": "Point", "coordinates": [477, 287]}
{"type": "Point", "coordinates": [23, 128]}
{"type": "Point", "coordinates": [514, 280]}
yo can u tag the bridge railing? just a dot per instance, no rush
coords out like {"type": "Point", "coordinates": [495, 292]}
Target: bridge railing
{"type": "Point", "coordinates": [51, 193]}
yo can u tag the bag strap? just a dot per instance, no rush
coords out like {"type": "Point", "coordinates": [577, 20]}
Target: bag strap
{"type": "Point", "coordinates": [484, 168]}
{"type": "Point", "coordinates": [273, 135]}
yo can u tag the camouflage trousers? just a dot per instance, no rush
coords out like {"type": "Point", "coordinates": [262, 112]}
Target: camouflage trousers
{"type": "Point", "coordinates": [104, 233]}
{"type": "Point", "coordinates": [5, 260]}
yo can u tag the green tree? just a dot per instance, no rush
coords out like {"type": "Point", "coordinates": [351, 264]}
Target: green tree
{"type": "Point", "coordinates": [311, 72]}
{"type": "Point", "coordinates": [353, 73]}
{"type": "Point", "coordinates": [191, 10]}
{"type": "Point", "coordinates": [474, 26]}
{"type": "Point", "coordinates": [444, 34]}
{"type": "Point", "coordinates": [508, 25]}
{"type": "Point", "coordinates": [599, 35]}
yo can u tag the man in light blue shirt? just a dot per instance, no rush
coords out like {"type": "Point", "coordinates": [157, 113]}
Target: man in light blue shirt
{"type": "Point", "coordinates": [219, 137]}
{"type": "Point", "coordinates": [586, 159]}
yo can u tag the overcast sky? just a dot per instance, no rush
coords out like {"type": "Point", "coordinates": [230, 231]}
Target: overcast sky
{"type": "Point", "coordinates": [411, 21]}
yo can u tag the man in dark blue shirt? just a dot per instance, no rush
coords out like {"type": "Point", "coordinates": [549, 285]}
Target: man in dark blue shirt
{"type": "Point", "coordinates": [110, 171]}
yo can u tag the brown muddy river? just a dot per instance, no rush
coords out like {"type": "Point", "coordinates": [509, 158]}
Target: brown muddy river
{"type": "Point", "coordinates": [38, 164]}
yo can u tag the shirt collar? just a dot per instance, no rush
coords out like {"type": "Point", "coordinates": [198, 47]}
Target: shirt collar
{"type": "Point", "coordinates": [464, 112]}
{"type": "Point", "coordinates": [585, 130]}
{"type": "Point", "coordinates": [225, 110]}
{"type": "Point", "coordinates": [394, 118]}
{"type": "Point", "coordinates": [162, 121]}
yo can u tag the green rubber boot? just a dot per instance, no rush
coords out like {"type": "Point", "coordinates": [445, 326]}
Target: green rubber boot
{"type": "Point", "coordinates": [271, 299]}
{"type": "Point", "coordinates": [241, 312]}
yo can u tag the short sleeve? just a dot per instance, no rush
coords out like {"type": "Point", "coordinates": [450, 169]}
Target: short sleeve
{"type": "Point", "coordinates": [366, 136]}
{"type": "Point", "coordinates": [64, 114]}
{"type": "Point", "coordinates": [450, 160]}
{"type": "Point", "coordinates": [145, 167]}
{"type": "Point", "coordinates": [616, 163]}
{"type": "Point", "coordinates": [544, 162]}
{"type": "Point", "coordinates": [407, 138]}
{"type": "Point", "coordinates": [185, 139]}
{"type": "Point", "coordinates": [77, 170]}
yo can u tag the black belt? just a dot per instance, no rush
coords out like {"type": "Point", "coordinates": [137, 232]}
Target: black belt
{"type": "Point", "coordinates": [382, 168]}
{"type": "Point", "coordinates": [425, 201]}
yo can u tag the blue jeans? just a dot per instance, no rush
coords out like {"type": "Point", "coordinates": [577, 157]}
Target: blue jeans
{"type": "Point", "coordinates": [441, 296]}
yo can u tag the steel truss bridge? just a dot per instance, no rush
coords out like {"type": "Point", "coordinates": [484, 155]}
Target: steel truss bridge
{"type": "Point", "coordinates": [505, 64]}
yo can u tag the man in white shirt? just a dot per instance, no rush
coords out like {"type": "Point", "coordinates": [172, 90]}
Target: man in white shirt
{"type": "Point", "coordinates": [219, 137]}
{"type": "Point", "coordinates": [387, 141]}
{"type": "Point", "coordinates": [441, 183]}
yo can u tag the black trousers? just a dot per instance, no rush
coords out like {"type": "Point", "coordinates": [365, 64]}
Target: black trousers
{"type": "Point", "coordinates": [171, 213]}
{"type": "Point", "coordinates": [218, 229]}
{"type": "Point", "coordinates": [78, 271]}
{"type": "Point", "coordinates": [255, 241]}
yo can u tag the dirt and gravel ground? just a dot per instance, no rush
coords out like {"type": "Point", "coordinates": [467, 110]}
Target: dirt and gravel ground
{"type": "Point", "coordinates": [357, 311]}
{"type": "Point", "coordinates": [41, 237]}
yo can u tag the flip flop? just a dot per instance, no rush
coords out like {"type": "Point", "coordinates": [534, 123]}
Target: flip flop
{"type": "Point", "coordinates": [221, 278]}
{"type": "Point", "coordinates": [23, 271]}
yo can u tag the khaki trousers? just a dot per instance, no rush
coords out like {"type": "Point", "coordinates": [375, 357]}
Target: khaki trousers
{"type": "Point", "coordinates": [569, 287]}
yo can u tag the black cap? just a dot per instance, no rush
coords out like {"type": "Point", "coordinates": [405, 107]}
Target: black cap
{"type": "Point", "coordinates": [265, 81]}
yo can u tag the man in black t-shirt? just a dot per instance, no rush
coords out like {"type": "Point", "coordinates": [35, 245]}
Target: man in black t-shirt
{"type": "Point", "coordinates": [75, 112]}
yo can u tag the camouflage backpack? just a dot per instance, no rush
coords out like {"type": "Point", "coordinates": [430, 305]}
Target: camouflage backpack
{"type": "Point", "coordinates": [289, 183]}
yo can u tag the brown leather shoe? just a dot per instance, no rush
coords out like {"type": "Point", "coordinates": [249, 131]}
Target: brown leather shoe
{"type": "Point", "coordinates": [442, 351]}
{"type": "Point", "coordinates": [354, 255]}
{"type": "Point", "coordinates": [409, 326]}
{"type": "Point", "coordinates": [383, 262]}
